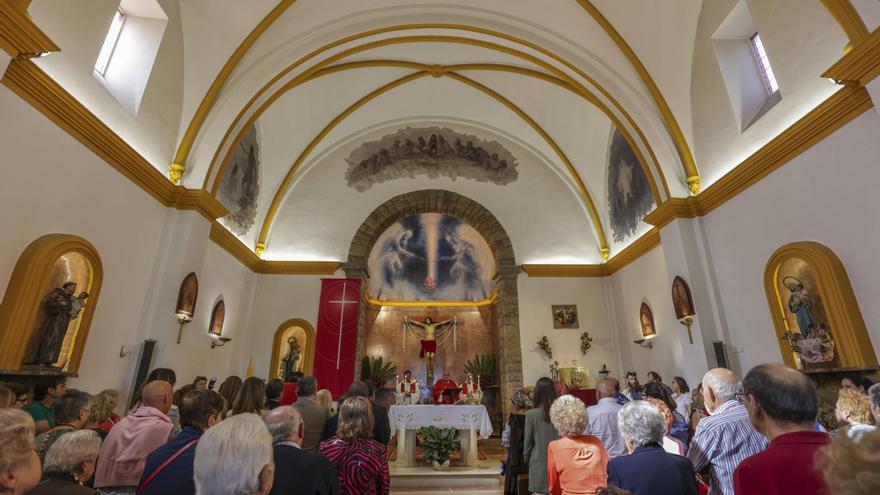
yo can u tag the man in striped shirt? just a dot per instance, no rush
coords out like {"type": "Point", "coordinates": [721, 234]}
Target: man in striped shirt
{"type": "Point", "coordinates": [726, 437]}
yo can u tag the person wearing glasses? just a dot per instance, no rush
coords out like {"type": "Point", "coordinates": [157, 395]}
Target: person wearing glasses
{"type": "Point", "coordinates": [726, 437]}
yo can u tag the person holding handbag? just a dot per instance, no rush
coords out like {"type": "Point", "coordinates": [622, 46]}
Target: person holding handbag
{"type": "Point", "coordinates": [169, 469]}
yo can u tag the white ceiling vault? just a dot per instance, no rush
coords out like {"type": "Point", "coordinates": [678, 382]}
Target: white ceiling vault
{"type": "Point", "coordinates": [548, 81]}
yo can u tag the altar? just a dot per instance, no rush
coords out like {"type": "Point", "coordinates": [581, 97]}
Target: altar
{"type": "Point", "coordinates": [468, 420]}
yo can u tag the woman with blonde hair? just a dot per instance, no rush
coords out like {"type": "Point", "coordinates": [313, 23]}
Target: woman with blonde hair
{"type": "Point", "coordinates": [849, 466]}
{"type": "Point", "coordinates": [359, 460]}
{"type": "Point", "coordinates": [854, 412]}
{"type": "Point", "coordinates": [70, 462]}
{"type": "Point", "coordinates": [576, 463]}
{"type": "Point", "coordinates": [103, 412]}
{"type": "Point", "coordinates": [229, 390]}
{"type": "Point", "coordinates": [19, 464]}
{"type": "Point", "coordinates": [251, 398]}
{"type": "Point", "coordinates": [325, 399]}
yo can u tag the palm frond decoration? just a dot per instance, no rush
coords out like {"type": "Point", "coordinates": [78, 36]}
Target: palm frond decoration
{"type": "Point", "coordinates": [374, 369]}
{"type": "Point", "coordinates": [484, 366]}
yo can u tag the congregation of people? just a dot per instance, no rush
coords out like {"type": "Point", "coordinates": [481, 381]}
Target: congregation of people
{"type": "Point", "coordinates": [243, 439]}
{"type": "Point", "coordinates": [758, 435]}
{"type": "Point", "coordinates": [755, 436]}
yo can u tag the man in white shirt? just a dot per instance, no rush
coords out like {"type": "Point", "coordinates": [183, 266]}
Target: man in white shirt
{"type": "Point", "coordinates": [603, 419]}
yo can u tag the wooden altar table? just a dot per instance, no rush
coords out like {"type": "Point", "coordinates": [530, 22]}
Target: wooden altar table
{"type": "Point", "coordinates": [468, 420]}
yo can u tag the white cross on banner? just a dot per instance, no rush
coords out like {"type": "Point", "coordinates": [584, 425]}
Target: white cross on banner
{"type": "Point", "coordinates": [341, 304]}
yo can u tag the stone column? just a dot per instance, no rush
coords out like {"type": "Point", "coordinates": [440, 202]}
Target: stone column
{"type": "Point", "coordinates": [507, 325]}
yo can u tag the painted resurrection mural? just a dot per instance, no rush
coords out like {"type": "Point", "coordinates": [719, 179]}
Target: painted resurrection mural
{"type": "Point", "coordinates": [431, 257]}
{"type": "Point", "coordinates": [431, 151]}
{"type": "Point", "coordinates": [629, 193]}
{"type": "Point", "coordinates": [240, 187]}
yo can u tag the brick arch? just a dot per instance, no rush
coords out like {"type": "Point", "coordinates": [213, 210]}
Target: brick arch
{"type": "Point", "coordinates": [483, 221]}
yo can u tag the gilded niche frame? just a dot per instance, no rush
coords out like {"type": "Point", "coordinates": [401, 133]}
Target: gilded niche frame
{"type": "Point", "coordinates": [25, 292]}
{"type": "Point", "coordinates": [853, 344]}
{"type": "Point", "coordinates": [308, 349]}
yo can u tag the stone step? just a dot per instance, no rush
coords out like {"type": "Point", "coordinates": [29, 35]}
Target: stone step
{"type": "Point", "coordinates": [482, 479]}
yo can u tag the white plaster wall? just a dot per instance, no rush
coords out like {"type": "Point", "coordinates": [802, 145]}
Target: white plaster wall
{"type": "Point", "coordinates": [828, 194]}
{"type": "Point", "coordinates": [536, 295]}
{"type": "Point", "coordinates": [647, 280]}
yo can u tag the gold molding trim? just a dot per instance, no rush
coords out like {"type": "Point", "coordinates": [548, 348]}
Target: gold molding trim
{"type": "Point", "coordinates": [684, 150]}
{"type": "Point", "coordinates": [634, 251]}
{"type": "Point", "coordinates": [836, 111]}
{"type": "Point", "coordinates": [860, 65]}
{"type": "Point", "coordinates": [33, 85]}
{"type": "Point", "coordinates": [178, 167]}
{"type": "Point", "coordinates": [26, 289]}
{"type": "Point", "coordinates": [20, 37]}
{"type": "Point", "coordinates": [248, 258]}
{"type": "Point", "coordinates": [429, 304]}
{"type": "Point", "coordinates": [848, 19]}
{"type": "Point", "coordinates": [308, 352]}
{"type": "Point", "coordinates": [844, 316]}
{"type": "Point", "coordinates": [312, 72]}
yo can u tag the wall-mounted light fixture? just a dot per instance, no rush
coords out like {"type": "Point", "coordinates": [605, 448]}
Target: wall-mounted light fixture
{"type": "Point", "coordinates": [688, 321]}
{"type": "Point", "coordinates": [644, 343]}
{"type": "Point", "coordinates": [182, 319]}
{"type": "Point", "coordinates": [220, 342]}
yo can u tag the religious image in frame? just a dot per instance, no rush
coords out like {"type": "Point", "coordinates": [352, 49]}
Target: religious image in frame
{"type": "Point", "coordinates": [681, 299]}
{"type": "Point", "coordinates": [218, 314]}
{"type": "Point", "coordinates": [240, 186]}
{"type": "Point", "coordinates": [565, 316]}
{"type": "Point", "coordinates": [808, 329]}
{"type": "Point", "coordinates": [646, 319]}
{"type": "Point", "coordinates": [66, 294]}
{"type": "Point", "coordinates": [629, 192]}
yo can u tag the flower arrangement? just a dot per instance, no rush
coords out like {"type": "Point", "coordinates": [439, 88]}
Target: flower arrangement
{"type": "Point", "coordinates": [586, 342]}
{"type": "Point", "coordinates": [544, 345]}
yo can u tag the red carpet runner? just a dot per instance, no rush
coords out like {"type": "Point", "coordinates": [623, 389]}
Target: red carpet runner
{"type": "Point", "coordinates": [336, 339]}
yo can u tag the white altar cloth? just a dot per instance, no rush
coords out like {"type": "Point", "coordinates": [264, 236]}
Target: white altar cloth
{"type": "Point", "coordinates": [467, 419]}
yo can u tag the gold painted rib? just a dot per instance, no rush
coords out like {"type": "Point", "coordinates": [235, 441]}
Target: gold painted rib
{"type": "Point", "coordinates": [848, 19]}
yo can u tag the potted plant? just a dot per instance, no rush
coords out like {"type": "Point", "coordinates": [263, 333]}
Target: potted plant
{"type": "Point", "coordinates": [373, 369]}
{"type": "Point", "coordinates": [438, 444]}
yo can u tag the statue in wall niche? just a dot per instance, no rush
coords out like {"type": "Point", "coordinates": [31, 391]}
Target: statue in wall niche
{"type": "Point", "coordinates": [290, 363]}
{"type": "Point", "coordinates": [58, 309]}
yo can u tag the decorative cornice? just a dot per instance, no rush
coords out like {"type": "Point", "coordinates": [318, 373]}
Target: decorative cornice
{"type": "Point", "coordinates": [248, 258]}
{"type": "Point", "coordinates": [20, 37]}
{"type": "Point", "coordinates": [848, 18]}
{"type": "Point", "coordinates": [642, 245]}
{"type": "Point", "coordinates": [33, 85]}
{"type": "Point", "coordinates": [832, 114]}
{"type": "Point", "coordinates": [859, 65]}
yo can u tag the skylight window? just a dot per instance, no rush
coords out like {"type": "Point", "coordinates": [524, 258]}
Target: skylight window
{"type": "Point", "coordinates": [763, 64]}
{"type": "Point", "coordinates": [110, 42]}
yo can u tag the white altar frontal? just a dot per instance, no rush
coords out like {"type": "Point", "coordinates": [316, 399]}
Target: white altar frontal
{"type": "Point", "coordinates": [468, 420]}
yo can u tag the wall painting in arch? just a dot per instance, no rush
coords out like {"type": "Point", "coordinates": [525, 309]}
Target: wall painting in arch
{"type": "Point", "coordinates": [431, 257]}
{"type": "Point", "coordinates": [218, 316]}
{"type": "Point", "coordinates": [629, 193]}
{"type": "Point", "coordinates": [430, 151]}
{"type": "Point", "coordinates": [808, 330]}
{"type": "Point", "coordinates": [240, 186]}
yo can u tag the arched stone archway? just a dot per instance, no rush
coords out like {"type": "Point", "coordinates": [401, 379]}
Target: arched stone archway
{"type": "Point", "coordinates": [506, 270]}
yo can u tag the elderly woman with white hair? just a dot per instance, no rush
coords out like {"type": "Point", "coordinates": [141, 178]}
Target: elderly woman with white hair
{"type": "Point", "coordinates": [576, 463]}
{"type": "Point", "coordinates": [235, 458]}
{"type": "Point", "coordinates": [648, 469]}
{"type": "Point", "coordinates": [70, 461]}
{"type": "Point", "coordinates": [19, 464]}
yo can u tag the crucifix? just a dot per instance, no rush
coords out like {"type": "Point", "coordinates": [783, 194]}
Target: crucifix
{"type": "Point", "coordinates": [429, 343]}
{"type": "Point", "coordinates": [341, 304]}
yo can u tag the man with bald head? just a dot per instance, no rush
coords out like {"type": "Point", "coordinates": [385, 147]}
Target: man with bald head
{"type": "Point", "coordinates": [782, 404]}
{"type": "Point", "coordinates": [726, 437]}
{"type": "Point", "coordinates": [125, 450]}
{"type": "Point", "coordinates": [603, 419]}
{"type": "Point", "coordinates": [297, 471]}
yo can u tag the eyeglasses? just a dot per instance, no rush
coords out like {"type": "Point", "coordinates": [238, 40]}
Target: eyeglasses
{"type": "Point", "coordinates": [740, 396]}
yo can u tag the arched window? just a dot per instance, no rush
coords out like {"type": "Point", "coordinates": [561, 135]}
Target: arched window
{"type": "Point", "coordinates": [187, 297]}
{"type": "Point", "coordinates": [49, 303]}
{"type": "Point", "coordinates": [815, 312]}
{"type": "Point", "coordinates": [301, 358]}
{"type": "Point", "coordinates": [218, 315]}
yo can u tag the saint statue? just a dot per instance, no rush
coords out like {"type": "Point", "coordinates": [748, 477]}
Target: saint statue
{"type": "Point", "coordinates": [429, 343]}
{"type": "Point", "coordinates": [59, 308]}
{"type": "Point", "coordinates": [441, 385]}
{"type": "Point", "coordinates": [407, 390]}
{"type": "Point", "coordinates": [801, 306]}
{"type": "Point", "coordinates": [290, 363]}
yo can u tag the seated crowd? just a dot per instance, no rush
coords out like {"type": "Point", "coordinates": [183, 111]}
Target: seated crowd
{"type": "Point", "coordinates": [755, 436]}
{"type": "Point", "coordinates": [238, 440]}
